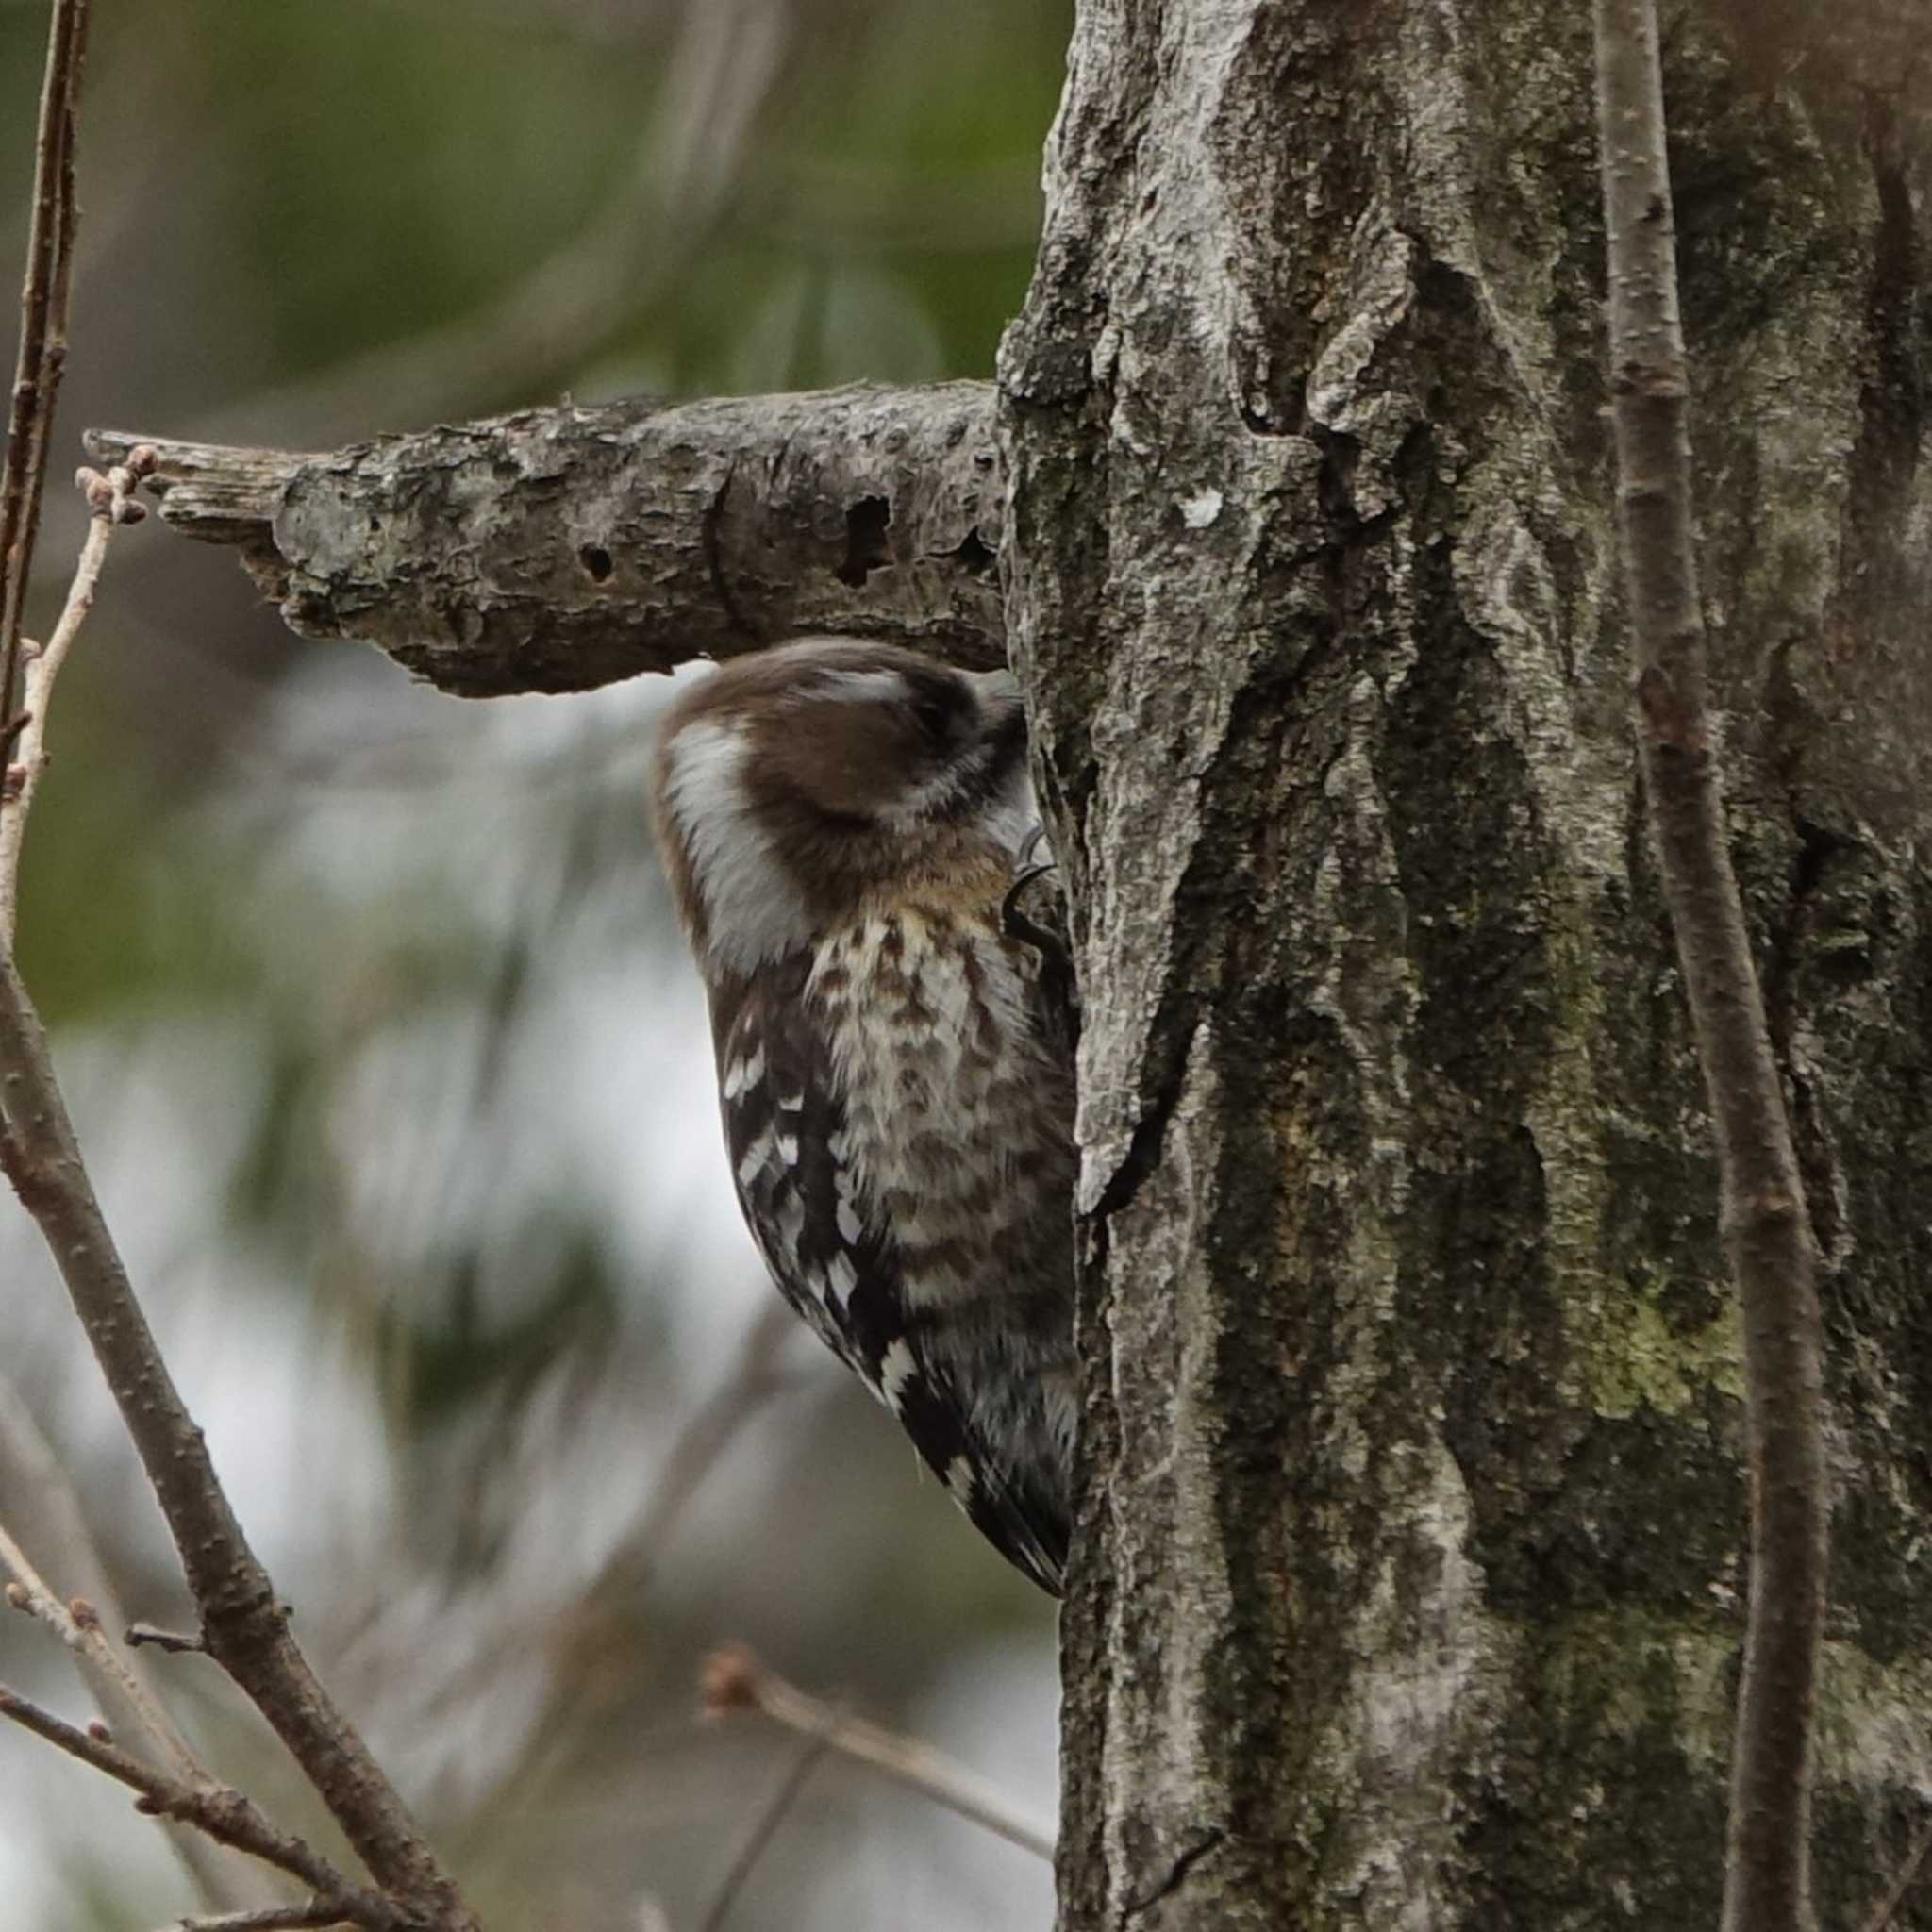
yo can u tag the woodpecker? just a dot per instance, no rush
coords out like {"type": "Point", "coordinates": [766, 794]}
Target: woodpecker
{"type": "Point", "coordinates": [842, 824]}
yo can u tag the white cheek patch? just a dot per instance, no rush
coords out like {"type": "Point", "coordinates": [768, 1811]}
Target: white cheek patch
{"type": "Point", "coordinates": [861, 687]}
{"type": "Point", "coordinates": [753, 911]}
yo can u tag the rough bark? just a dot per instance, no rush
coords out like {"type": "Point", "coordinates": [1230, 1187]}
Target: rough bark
{"type": "Point", "coordinates": [559, 549]}
{"type": "Point", "coordinates": [1410, 1581]}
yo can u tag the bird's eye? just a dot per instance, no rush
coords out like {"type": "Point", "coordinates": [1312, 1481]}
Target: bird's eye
{"type": "Point", "coordinates": [939, 713]}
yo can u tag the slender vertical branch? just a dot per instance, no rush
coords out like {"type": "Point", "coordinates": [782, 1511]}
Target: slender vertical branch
{"type": "Point", "coordinates": [111, 503]}
{"type": "Point", "coordinates": [43, 327]}
{"type": "Point", "coordinates": [1765, 1227]}
{"type": "Point", "coordinates": [244, 1625]}
{"type": "Point", "coordinates": [763, 1831]}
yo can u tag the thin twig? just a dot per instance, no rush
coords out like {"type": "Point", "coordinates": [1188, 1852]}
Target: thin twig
{"type": "Point", "coordinates": [700, 1442]}
{"type": "Point", "coordinates": [697, 1450]}
{"type": "Point", "coordinates": [237, 1605]}
{"type": "Point", "coordinates": [77, 1624]}
{"type": "Point", "coordinates": [1765, 1227]}
{"type": "Point", "coordinates": [44, 1512]}
{"type": "Point", "coordinates": [226, 1815]}
{"type": "Point", "coordinates": [734, 1680]}
{"type": "Point", "coordinates": [170, 1643]}
{"type": "Point", "coordinates": [111, 503]}
{"type": "Point", "coordinates": [763, 1832]}
{"type": "Point", "coordinates": [43, 327]}
{"type": "Point", "coordinates": [316, 1911]}
{"type": "Point", "coordinates": [244, 1623]}
{"type": "Point", "coordinates": [1883, 1911]}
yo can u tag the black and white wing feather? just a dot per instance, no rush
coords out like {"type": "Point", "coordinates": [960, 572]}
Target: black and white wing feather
{"type": "Point", "coordinates": [831, 1252]}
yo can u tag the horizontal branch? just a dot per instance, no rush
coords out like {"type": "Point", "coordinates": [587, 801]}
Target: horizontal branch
{"type": "Point", "coordinates": [557, 549]}
{"type": "Point", "coordinates": [734, 1680]}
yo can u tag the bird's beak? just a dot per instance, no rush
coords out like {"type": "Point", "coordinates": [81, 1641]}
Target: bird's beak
{"type": "Point", "coordinates": [999, 694]}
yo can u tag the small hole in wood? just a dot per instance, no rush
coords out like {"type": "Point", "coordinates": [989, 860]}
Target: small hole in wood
{"type": "Point", "coordinates": [596, 562]}
{"type": "Point", "coordinates": [972, 554]}
{"type": "Point", "coordinates": [867, 548]}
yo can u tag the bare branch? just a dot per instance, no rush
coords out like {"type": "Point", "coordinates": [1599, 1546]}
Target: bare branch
{"type": "Point", "coordinates": [43, 327]}
{"type": "Point", "coordinates": [700, 1442]}
{"type": "Point", "coordinates": [44, 1512]}
{"type": "Point", "coordinates": [244, 1627]}
{"type": "Point", "coordinates": [223, 1813]}
{"type": "Point", "coordinates": [109, 505]}
{"type": "Point", "coordinates": [316, 1911]}
{"type": "Point", "coordinates": [77, 1624]}
{"type": "Point", "coordinates": [244, 1624]}
{"type": "Point", "coordinates": [557, 549]}
{"type": "Point", "coordinates": [734, 1680]}
{"type": "Point", "coordinates": [171, 1642]}
{"type": "Point", "coordinates": [1887, 1909]}
{"type": "Point", "coordinates": [763, 1832]}
{"type": "Point", "coordinates": [42, 1161]}
{"type": "Point", "coordinates": [1766, 1229]}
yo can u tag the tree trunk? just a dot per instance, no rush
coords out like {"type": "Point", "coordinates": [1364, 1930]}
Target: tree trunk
{"type": "Point", "coordinates": [1410, 1580]}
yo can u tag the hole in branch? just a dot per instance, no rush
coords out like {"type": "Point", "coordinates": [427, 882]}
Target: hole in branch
{"type": "Point", "coordinates": [596, 562]}
{"type": "Point", "coordinates": [866, 546]}
{"type": "Point", "coordinates": [972, 554]}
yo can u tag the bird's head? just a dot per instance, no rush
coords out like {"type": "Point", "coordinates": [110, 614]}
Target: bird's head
{"type": "Point", "coordinates": [791, 785]}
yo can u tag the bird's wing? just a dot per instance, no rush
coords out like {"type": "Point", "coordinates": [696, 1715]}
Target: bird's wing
{"type": "Point", "coordinates": [841, 1271]}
